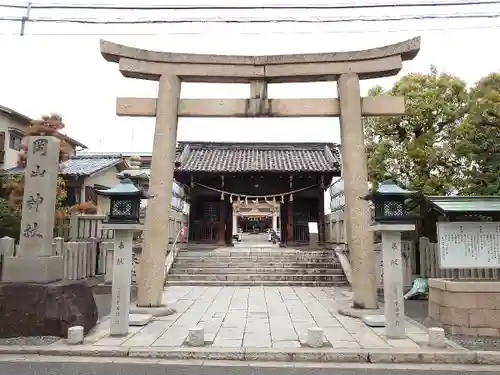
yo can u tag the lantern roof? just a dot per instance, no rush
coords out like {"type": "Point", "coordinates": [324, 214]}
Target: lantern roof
{"type": "Point", "coordinates": [389, 187]}
{"type": "Point", "coordinates": [124, 187]}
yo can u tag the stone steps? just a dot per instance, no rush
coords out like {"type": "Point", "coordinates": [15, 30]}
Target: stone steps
{"type": "Point", "coordinates": [251, 260]}
{"type": "Point", "coordinates": [256, 277]}
{"type": "Point", "coordinates": [254, 270]}
{"type": "Point", "coordinates": [254, 283]}
{"type": "Point", "coordinates": [245, 266]}
{"type": "Point", "coordinates": [303, 265]}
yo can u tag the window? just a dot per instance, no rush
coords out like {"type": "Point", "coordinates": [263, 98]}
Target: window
{"type": "Point", "coordinates": [15, 141]}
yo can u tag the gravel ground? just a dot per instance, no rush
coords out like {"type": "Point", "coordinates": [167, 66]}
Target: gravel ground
{"type": "Point", "coordinates": [417, 310]}
{"type": "Point", "coordinates": [103, 302]}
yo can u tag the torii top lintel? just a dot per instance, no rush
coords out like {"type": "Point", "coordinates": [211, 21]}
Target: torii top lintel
{"type": "Point", "coordinates": [371, 63]}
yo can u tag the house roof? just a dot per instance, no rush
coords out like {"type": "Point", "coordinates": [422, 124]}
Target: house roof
{"type": "Point", "coordinates": [27, 121]}
{"type": "Point", "coordinates": [466, 204]}
{"type": "Point", "coordinates": [257, 157]}
{"type": "Point", "coordinates": [80, 165]}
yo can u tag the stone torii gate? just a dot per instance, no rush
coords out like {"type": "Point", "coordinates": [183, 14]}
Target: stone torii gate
{"type": "Point", "coordinates": [347, 68]}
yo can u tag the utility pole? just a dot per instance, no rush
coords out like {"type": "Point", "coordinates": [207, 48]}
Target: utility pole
{"type": "Point", "coordinates": [24, 19]}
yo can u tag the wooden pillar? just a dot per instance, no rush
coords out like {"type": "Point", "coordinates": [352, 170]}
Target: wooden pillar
{"type": "Point", "coordinates": [321, 216]}
{"type": "Point", "coordinates": [290, 221]}
{"type": "Point", "coordinates": [221, 237]}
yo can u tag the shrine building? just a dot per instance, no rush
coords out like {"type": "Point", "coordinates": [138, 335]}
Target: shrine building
{"type": "Point", "coordinates": [255, 186]}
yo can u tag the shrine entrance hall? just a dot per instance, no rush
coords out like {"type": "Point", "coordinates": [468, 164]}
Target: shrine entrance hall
{"type": "Point", "coordinates": [232, 184]}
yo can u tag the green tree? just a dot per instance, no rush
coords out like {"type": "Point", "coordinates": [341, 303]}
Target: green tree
{"type": "Point", "coordinates": [10, 219]}
{"type": "Point", "coordinates": [478, 138]}
{"type": "Point", "coordinates": [418, 148]}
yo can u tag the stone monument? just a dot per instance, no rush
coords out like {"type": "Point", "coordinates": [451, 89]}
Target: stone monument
{"type": "Point", "coordinates": [33, 299]}
{"type": "Point", "coordinates": [35, 260]}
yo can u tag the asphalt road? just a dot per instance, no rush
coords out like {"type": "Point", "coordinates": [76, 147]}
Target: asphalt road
{"type": "Point", "coordinates": [36, 367]}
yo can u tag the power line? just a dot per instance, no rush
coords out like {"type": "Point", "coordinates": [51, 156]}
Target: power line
{"type": "Point", "coordinates": [253, 7]}
{"type": "Point", "coordinates": [250, 20]}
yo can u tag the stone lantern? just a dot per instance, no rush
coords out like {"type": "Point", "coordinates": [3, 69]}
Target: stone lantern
{"type": "Point", "coordinates": [125, 202]}
{"type": "Point", "coordinates": [391, 218]}
{"type": "Point", "coordinates": [123, 218]}
{"type": "Point", "coordinates": [390, 203]}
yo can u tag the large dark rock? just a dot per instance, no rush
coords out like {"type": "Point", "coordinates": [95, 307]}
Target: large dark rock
{"type": "Point", "coordinates": [28, 309]}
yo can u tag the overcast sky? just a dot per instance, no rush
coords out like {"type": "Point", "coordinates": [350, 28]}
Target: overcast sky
{"type": "Point", "coordinates": [66, 74]}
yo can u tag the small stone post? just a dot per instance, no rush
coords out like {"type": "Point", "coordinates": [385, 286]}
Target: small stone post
{"type": "Point", "coordinates": [35, 261]}
{"type": "Point", "coordinates": [393, 280]}
{"type": "Point", "coordinates": [122, 268]}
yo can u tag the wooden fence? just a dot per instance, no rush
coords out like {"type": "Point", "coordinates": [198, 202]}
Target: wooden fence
{"type": "Point", "coordinates": [82, 226]}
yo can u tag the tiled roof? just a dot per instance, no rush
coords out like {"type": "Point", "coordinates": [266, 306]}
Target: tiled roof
{"type": "Point", "coordinates": [85, 165]}
{"type": "Point", "coordinates": [80, 165]}
{"type": "Point", "coordinates": [257, 157]}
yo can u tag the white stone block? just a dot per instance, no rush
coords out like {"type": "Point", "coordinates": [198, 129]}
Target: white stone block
{"type": "Point", "coordinates": [436, 337]}
{"type": "Point", "coordinates": [196, 336]}
{"type": "Point", "coordinates": [139, 320]}
{"type": "Point", "coordinates": [75, 335]}
{"type": "Point", "coordinates": [315, 337]}
{"type": "Point", "coordinates": [374, 320]}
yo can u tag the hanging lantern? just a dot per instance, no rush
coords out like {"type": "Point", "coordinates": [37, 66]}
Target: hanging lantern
{"type": "Point", "coordinates": [222, 196]}
{"type": "Point", "coordinates": [239, 199]}
{"type": "Point", "coordinates": [282, 199]}
{"type": "Point", "coordinates": [230, 199]}
{"type": "Point", "coordinates": [291, 197]}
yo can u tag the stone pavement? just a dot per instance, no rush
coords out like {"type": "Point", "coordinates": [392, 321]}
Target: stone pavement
{"type": "Point", "coordinates": [261, 324]}
{"type": "Point", "coordinates": [257, 317]}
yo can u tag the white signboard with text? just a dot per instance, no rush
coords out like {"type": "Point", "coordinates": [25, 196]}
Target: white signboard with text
{"type": "Point", "coordinates": [469, 244]}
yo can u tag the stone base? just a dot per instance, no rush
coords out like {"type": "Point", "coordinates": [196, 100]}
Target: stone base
{"type": "Point", "coordinates": [353, 312]}
{"type": "Point", "coordinates": [32, 269]}
{"type": "Point", "coordinates": [28, 309]}
{"type": "Point", "coordinates": [154, 311]}
{"type": "Point", "coordinates": [469, 307]}
{"type": "Point", "coordinates": [374, 320]}
{"type": "Point", "coordinates": [139, 320]}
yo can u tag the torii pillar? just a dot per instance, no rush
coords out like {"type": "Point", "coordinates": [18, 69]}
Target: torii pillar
{"type": "Point", "coordinates": [348, 68]}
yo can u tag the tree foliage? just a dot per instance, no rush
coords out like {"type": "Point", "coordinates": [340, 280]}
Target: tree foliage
{"type": "Point", "coordinates": [10, 219]}
{"type": "Point", "coordinates": [418, 148]}
{"type": "Point", "coordinates": [478, 139]}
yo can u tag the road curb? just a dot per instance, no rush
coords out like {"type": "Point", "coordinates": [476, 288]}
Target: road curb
{"type": "Point", "coordinates": [276, 355]}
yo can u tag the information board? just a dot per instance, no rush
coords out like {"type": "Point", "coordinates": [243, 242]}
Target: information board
{"type": "Point", "coordinates": [469, 244]}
